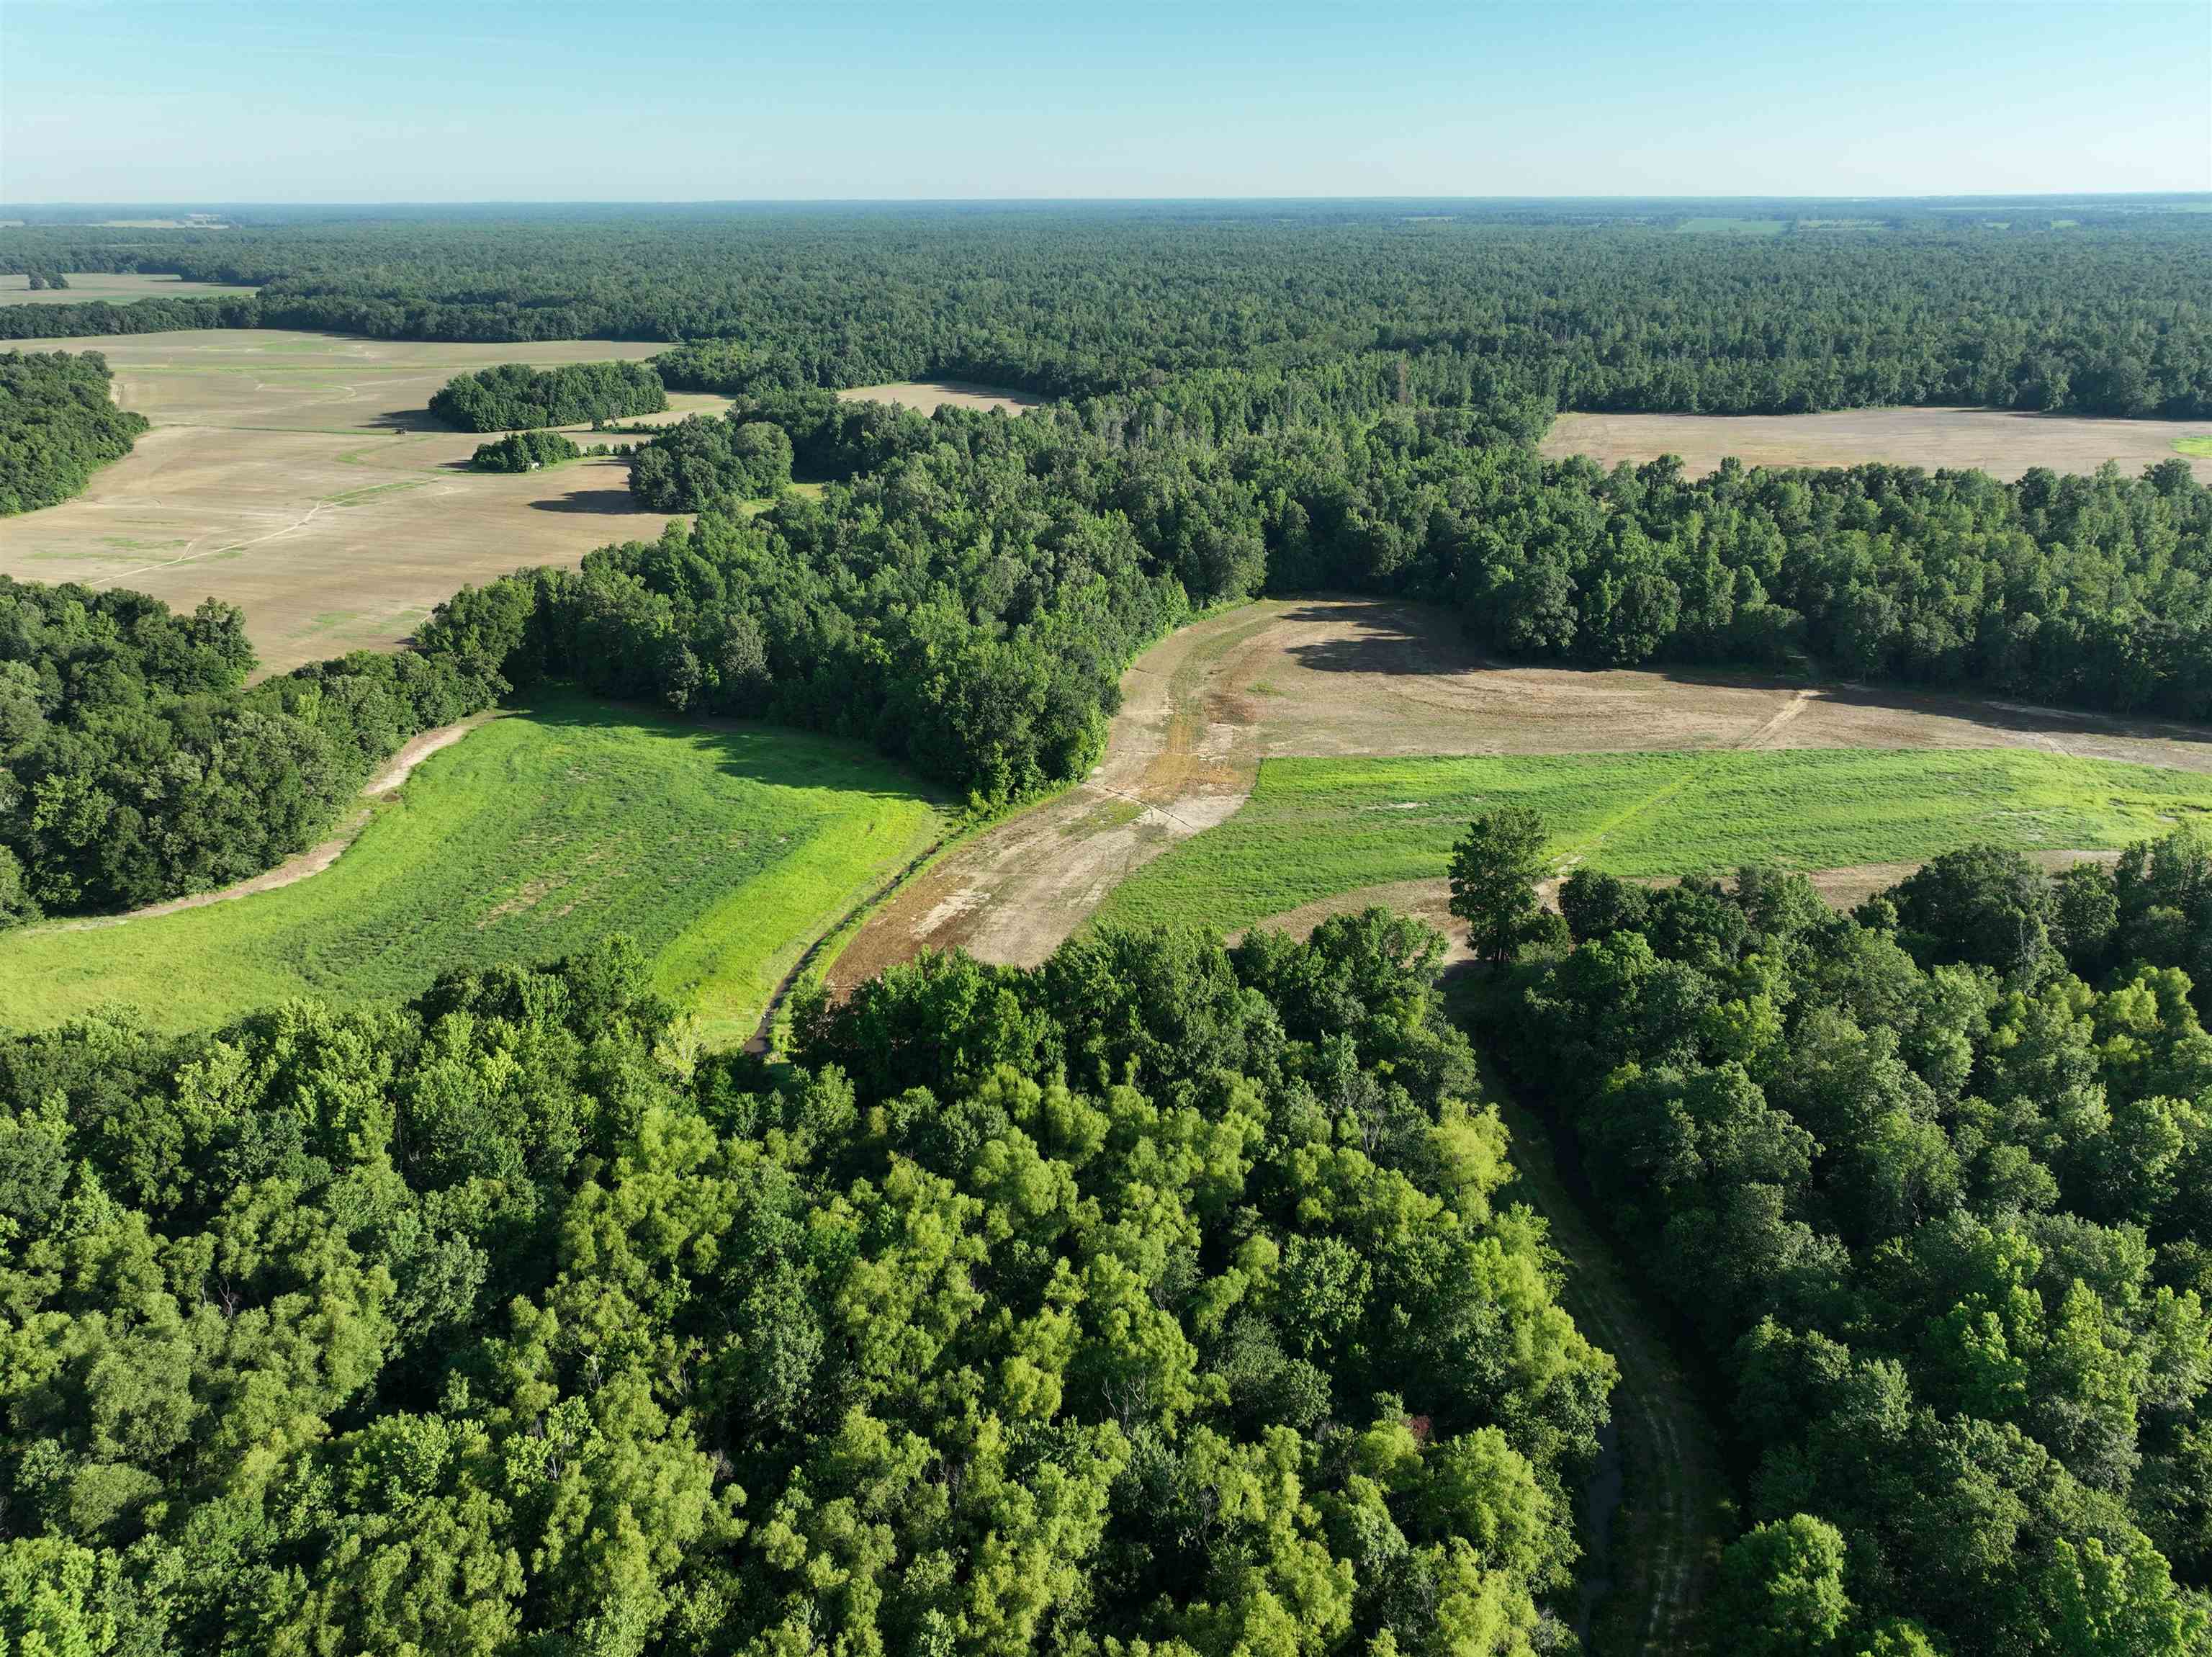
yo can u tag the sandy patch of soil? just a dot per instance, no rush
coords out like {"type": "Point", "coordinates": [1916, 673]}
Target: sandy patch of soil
{"type": "Point", "coordinates": [930, 395]}
{"type": "Point", "coordinates": [298, 476]}
{"type": "Point", "coordinates": [1017, 891]}
{"type": "Point", "coordinates": [2002, 443]}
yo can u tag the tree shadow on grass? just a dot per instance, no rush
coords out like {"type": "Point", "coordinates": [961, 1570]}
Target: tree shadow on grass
{"type": "Point", "coordinates": [781, 755]}
{"type": "Point", "coordinates": [1388, 637]}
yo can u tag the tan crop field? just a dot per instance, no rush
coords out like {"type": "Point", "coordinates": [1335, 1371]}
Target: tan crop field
{"type": "Point", "coordinates": [927, 396]}
{"type": "Point", "coordinates": [2001, 443]}
{"type": "Point", "coordinates": [118, 288]}
{"type": "Point", "coordinates": [297, 476]}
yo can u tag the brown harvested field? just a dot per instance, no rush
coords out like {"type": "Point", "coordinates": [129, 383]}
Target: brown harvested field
{"type": "Point", "coordinates": [118, 288]}
{"type": "Point", "coordinates": [297, 476]}
{"type": "Point", "coordinates": [930, 395]}
{"type": "Point", "coordinates": [1341, 677]}
{"type": "Point", "coordinates": [1999, 442]}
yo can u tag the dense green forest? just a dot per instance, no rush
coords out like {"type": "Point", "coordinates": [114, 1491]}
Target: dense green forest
{"type": "Point", "coordinates": [1930, 1182]}
{"type": "Point", "coordinates": [133, 767]}
{"type": "Point", "coordinates": [704, 460]}
{"type": "Point", "coordinates": [515, 397]}
{"type": "Point", "coordinates": [58, 425]}
{"type": "Point", "coordinates": [1164, 1299]}
{"type": "Point", "coordinates": [522, 451]}
{"type": "Point", "coordinates": [2109, 311]}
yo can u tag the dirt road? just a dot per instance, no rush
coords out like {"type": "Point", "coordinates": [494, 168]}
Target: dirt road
{"type": "Point", "coordinates": [1180, 757]}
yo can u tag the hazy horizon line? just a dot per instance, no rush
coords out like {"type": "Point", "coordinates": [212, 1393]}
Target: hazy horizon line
{"type": "Point", "coordinates": [208, 203]}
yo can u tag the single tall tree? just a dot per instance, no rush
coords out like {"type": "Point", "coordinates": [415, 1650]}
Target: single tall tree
{"type": "Point", "coordinates": [1494, 871]}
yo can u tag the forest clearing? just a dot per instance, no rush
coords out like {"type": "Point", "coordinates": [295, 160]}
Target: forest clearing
{"type": "Point", "coordinates": [1285, 678]}
{"type": "Point", "coordinates": [722, 851]}
{"type": "Point", "coordinates": [2003, 442]}
{"type": "Point", "coordinates": [296, 476]}
{"type": "Point", "coordinates": [927, 396]}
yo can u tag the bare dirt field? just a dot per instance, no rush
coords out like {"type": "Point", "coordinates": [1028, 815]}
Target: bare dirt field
{"type": "Point", "coordinates": [297, 476]}
{"type": "Point", "coordinates": [930, 395]}
{"type": "Point", "coordinates": [1331, 677]}
{"type": "Point", "coordinates": [2001, 443]}
{"type": "Point", "coordinates": [118, 288]}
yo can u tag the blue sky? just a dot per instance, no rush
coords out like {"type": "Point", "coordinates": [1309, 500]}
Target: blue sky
{"type": "Point", "coordinates": [635, 100]}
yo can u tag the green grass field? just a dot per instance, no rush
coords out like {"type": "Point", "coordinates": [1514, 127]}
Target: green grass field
{"type": "Point", "coordinates": [1317, 827]}
{"type": "Point", "coordinates": [724, 852]}
{"type": "Point", "coordinates": [2193, 445]}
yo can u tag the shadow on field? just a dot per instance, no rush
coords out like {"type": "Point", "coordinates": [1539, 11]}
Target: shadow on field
{"type": "Point", "coordinates": [1384, 637]}
{"type": "Point", "coordinates": [603, 501]}
{"type": "Point", "coordinates": [779, 755]}
{"type": "Point", "coordinates": [1380, 638]}
{"type": "Point", "coordinates": [406, 420]}
{"type": "Point", "coordinates": [2016, 716]}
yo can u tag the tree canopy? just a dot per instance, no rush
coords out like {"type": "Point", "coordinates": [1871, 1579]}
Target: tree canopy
{"type": "Point", "coordinates": [514, 397]}
{"type": "Point", "coordinates": [58, 426]}
{"type": "Point", "coordinates": [1164, 1299]}
{"type": "Point", "coordinates": [1930, 1181]}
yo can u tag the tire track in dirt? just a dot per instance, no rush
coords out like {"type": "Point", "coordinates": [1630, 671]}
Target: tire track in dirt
{"type": "Point", "coordinates": [1180, 757]}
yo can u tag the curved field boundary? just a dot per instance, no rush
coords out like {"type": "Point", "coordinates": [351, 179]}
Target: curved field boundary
{"type": "Point", "coordinates": [387, 780]}
{"type": "Point", "coordinates": [723, 852]}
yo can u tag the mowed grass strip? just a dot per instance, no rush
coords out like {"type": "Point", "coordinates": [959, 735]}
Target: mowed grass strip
{"type": "Point", "coordinates": [724, 852]}
{"type": "Point", "coordinates": [1315, 828]}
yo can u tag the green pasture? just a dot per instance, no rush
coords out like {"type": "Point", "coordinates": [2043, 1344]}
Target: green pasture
{"type": "Point", "coordinates": [723, 851]}
{"type": "Point", "coordinates": [2193, 445]}
{"type": "Point", "coordinates": [1317, 827]}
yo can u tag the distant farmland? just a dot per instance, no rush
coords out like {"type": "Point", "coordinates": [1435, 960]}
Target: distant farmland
{"type": "Point", "coordinates": [723, 851]}
{"type": "Point", "coordinates": [298, 476]}
{"type": "Point", "coordinates": [1314, 828]}
{"type": "Point", "coordinates": [927, 396]}
{"type": "Point", "coordinates": [2001, 443]}
{"type": "Point", "coordinates": [118, 288]}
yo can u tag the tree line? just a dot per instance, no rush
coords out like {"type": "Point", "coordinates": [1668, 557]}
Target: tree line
{"type": "Point", "coordinates": [58, 425]}
{"type": "Point", "coordinates": [968, 589]}
{"type": "Point", "coordinates": [2111, 315]}
{"type": "Point", "coordinates": [1164, 1299]}
{"type": "Point", "coordinates": [1928, 1181]}
{"type": "Point", "coordinates": [512, 396]}
{"type": "Point", "coordinates": [934, 604]}
{"type": "Point", "coordinates": [135, 766]}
